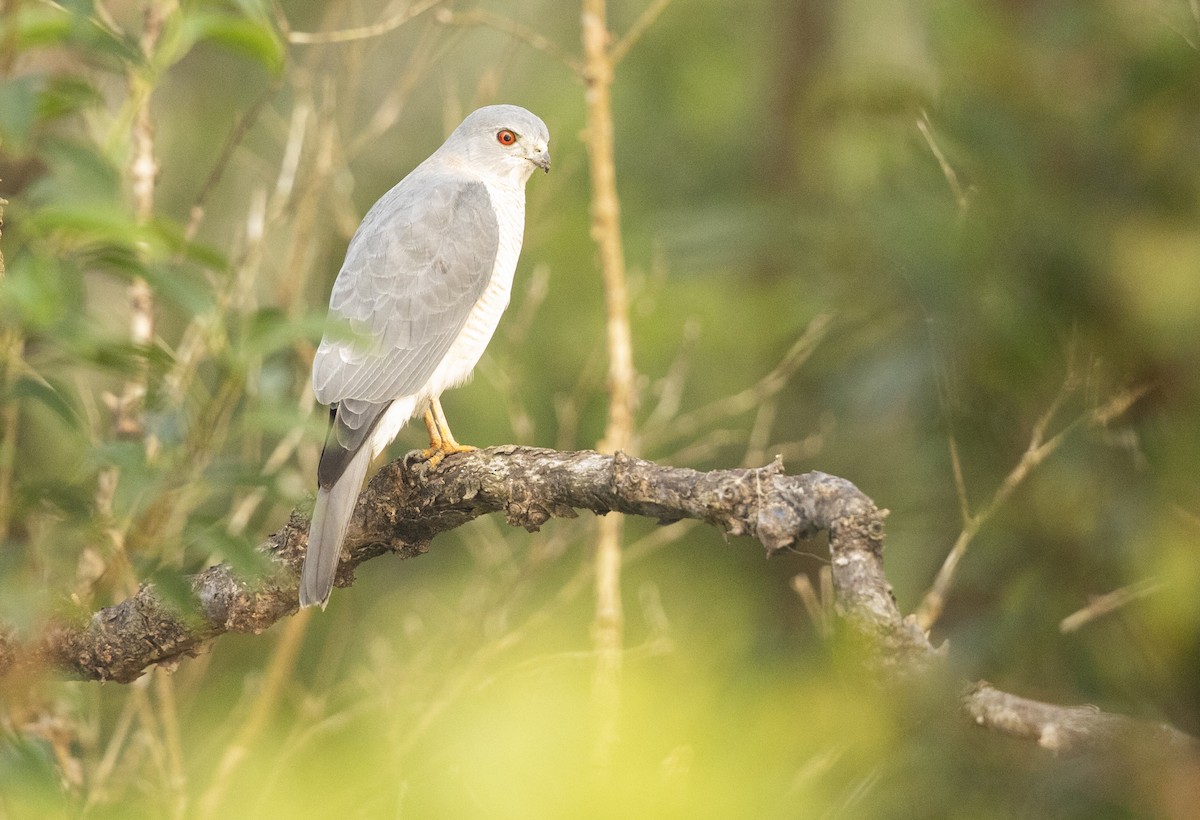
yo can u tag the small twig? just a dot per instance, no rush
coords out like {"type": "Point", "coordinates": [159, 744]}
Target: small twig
{"type": "Point", "coordinates": [1109, 602]}
{"type": "Point", "coordinates": [671, 386]}
{"type": "Point", "coordinates": [961, 197]}
{"type": "Point", "coordinates": [645, 20]}
{"type": "Point", "coordinates": [362, 32]}
{"type": "Point", "coordinates": [960, 483]}
{"type": "Point", "coordinates": [816, 604]}
{"type": "Point", "coordinates": [12, 348]}
{"type": "Point", "coordinates": [3, 202]}
{"type": "Point", "coordinates": [705, 447]}
{"type": "Point", "coordinates": [117, 740]}
{"type": "Point", "coordinates": [760, 434]}
{"type": "Point", "coordinates": [278, 672]}
{"type": "Point", "coordinates": [598, 70]}
{"type": "Point", "coordinates": [518, 31]}
{"type": "Point", "coordinates": [168, 711]}
{"type": "Point", "coordinates": [1039, 450]}
{"type": "Point", "coordinates": [689, 424]}
{"type": "Point", "coordinates": [423, 55]}
{"type": "Point", "coordinates": [236, 134]}
{"type": "Point", "coordinates": [127, 408]}
{"type": "Point", "coordinates": [12, 351]}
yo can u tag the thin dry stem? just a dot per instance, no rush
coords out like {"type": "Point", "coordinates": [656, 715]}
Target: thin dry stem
{"type": "Point", "coordinates": [760, 434]}
{"type": "Point", "coordinates": [108, 762]}
{"type": "Point", "coordinates": [13, 347]}
{"type": "Point", "coordinates": [164, 687]}
{"type": "Point", "coordinates": [960, 483]}
{"type": "Point", "coordinates": [961, 197]}
{"type": "Point", "coordinates": [1039, 449]}
{"type": "Point", "coordinates": [818, 605]}
{"type": "Point", "coordinates": [618, 434]}
{"type": "Point", "coordinates": [645, 20]}
{"type": "Point", "coordinates": [203, 334]}
{"type": "Point", "coordinates": [128, 421]}
{"type": "Point", "coordinates": [348, 35]}
{"type": "Point", "coordinates": [151, 735]}
{"type": "Point", "coordinates": [279, 672]}
{"type": "Point", "coordinates": [127, 408]}
{"type": "Point", "coordinates": [518, 31]}
{"type": "Point", "coordinates": [3, 202]}
{"type": "Point", "coordinates": [670, 387]}
{"type": "Point", "coordinates": [1108, 603]}
{"type": "Point", "coordinates": [422, 57]}
{"type": "Point", "coordinates": [236, 135]}
{"type": "Point", "coordinates": [691, 423]}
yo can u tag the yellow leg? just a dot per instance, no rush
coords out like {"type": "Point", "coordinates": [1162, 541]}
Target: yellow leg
{"type": "Point", "coordinates": [448, 442]}
{"type": "Point", "coordinates": [441, 440]}
{"type": "Point", "coordinates": [435, 435]}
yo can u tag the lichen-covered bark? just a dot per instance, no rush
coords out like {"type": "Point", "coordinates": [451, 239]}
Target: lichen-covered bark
{"type": "Point", "coordinates": [1065, 729]}
{"type": "Point", "coordinates": [407, 504]}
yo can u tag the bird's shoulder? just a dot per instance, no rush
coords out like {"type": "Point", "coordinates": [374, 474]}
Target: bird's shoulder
{"type": "Point", "coordinates": [432, 194]}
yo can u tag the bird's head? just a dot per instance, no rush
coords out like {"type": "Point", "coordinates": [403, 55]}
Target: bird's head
{"type": "Point", "coordinates": [504, 141]}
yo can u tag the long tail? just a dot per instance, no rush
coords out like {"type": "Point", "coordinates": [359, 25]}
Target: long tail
{"type": "Point", "coordinates": [330, 518]}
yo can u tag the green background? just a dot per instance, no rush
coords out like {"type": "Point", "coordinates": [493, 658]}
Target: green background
{"type": "Point", "coordinates": [992, 205]}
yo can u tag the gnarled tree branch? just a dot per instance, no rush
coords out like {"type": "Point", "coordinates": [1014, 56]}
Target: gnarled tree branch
{"type": "Point", "coordinates": [407, 504]}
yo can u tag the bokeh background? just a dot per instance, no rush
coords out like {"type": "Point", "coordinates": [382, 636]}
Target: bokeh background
{"type": "Point", "coordinates": [877, 238]}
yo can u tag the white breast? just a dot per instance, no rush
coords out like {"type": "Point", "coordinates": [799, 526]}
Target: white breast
{"type": "Point", "coordinates": [464, 353]}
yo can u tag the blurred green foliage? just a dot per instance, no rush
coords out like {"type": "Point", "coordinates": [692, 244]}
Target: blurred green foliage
{"type": "Point", "coordinates": [996, 202]}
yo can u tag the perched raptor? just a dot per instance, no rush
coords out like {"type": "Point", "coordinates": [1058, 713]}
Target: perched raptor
{"type": "Point", "coordinates": [426, 277]}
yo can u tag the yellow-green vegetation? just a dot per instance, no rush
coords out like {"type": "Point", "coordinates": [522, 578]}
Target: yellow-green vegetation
{"type": "Point", "coordinates": [985, 213]}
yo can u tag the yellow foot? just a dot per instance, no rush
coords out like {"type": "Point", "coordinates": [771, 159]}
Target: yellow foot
{"type": "Point", "coordinates": [441, 440]}
{"type": "Point", "coordinates": [434, 455]}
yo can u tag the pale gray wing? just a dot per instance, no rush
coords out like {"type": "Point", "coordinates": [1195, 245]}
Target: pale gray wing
{"type": "Point", "coordinates": [419, 261]}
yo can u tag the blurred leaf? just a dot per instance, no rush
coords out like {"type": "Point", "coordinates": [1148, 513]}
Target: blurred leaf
{"type": "Point", "coordinates": [252, 38]}
{"type": "Point", "coordinates": [170, 237]}
{"type": "Point", "coordinates": [279, 421]}
{"type": "Point", "coordinates": [18, 110]}
{"type": "Point", "coordinates": [41, 25]}
{"type": "Point", "coordinates": [74, 500]}
{"type": "Point", "coordinates": [80, 174]}
{"type": "Point", "coordinates": [181, 286]}
{"type": "Point", "coordinates": [125, 357]}
{"type": "Point", "coordinates": [127, 456]}
{"type": "Point", "coordinates": [30, 778]}
{"type": "Point", "coordinates": [108, 257]}
{"type": "Point", "coordinates": [65, 94]}
{"type": "Point", "coordinates": [85, 221]}
{"type": "Point", "coordinates": [40, 293]}
{"type": "Point", "coordinates": [270, 329]}
{"type": "Point", "coordinates": [47, 395]}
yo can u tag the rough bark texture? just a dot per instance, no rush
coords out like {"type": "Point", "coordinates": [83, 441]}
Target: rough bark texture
{"type": "Point", "coordinates": [407, 504]}
{"type": "Point", "coordinates": [1069, 728]}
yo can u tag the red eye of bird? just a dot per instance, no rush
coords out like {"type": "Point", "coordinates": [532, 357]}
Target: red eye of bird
{"type": "Point", "coordinates": [506, 137]}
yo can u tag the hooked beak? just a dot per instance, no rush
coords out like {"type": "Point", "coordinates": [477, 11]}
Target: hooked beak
{"type": "Point", "coordinates": [541, 159]}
